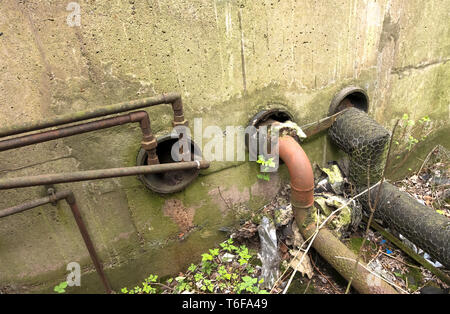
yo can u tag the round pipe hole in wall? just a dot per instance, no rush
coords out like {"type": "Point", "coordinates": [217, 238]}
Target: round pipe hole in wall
{"type": "Point", "coordinates": [171, 181]}
{"type": "Point", "coordinates": [351, 96]}
{"type": "Point", "coordinates": [264, 117]}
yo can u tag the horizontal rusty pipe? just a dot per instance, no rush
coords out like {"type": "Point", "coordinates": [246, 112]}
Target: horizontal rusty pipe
{"type": "Point", "coordinates": [47, 179]}
{"type": "Point", "coordinates": [148, 140]}
{"type": "Point", "coordinates": [325, 243]}
{"type": "Point", "coordinates": [170, 98]}
{"type": "Point", "coordinates": [69, 197]}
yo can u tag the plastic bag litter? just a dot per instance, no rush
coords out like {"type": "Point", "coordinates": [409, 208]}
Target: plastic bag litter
{"type": "Point", "coordinates": [270, 259]}
{"type": "Point", "coordinates": [419, 251]}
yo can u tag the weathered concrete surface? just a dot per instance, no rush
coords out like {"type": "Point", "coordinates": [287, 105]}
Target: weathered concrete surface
{"type": "Point", "coordinates": [228, 59]}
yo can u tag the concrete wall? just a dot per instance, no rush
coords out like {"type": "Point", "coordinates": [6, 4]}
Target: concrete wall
{"type": "Point", "coordinates": [228, 59]}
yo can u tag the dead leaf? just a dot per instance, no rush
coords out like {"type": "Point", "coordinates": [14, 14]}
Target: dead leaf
{"type": "Point", "coordinates": [305, 268]}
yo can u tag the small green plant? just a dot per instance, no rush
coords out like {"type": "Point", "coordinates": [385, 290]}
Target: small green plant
{"type": "Point", "coordinates": [182, 284]}
{"type": "Point", "coordinates": [146, 286]}
{"type": "Point", "coordinates": [192, 268]}
{"type": "Point", "coordinates": [214, 274]}
{"type": "Point", "coordinates": [243, 254]}
{"type": "Point", "coordinates": [250, 284]}
{"type": "Point", "coordinates": [266, 165]}
{"type": "Point", "coordinates": [228, 245]}
{"type": "Point", "coordinates": [61, 287]}
{"type": "Point", "coordinates": [411, 133]}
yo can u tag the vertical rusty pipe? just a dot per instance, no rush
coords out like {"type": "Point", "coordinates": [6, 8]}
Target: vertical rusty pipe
{"type": "Point", "coordinates": [300, 170]}
{"type": "Point", "coordinates": [178, 114]}
{"type": "Point", "coordinates": [148, 142]}
{"type": "Point", "coordinates": [179, 120]}
{"type": "Point", "coordinates": [71, 201]}
{"type": "Point", "coordinates": [325, 243]}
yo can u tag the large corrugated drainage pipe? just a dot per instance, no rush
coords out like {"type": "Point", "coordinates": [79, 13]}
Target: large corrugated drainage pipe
{"type": "Point", "coordinates": [366, 143]}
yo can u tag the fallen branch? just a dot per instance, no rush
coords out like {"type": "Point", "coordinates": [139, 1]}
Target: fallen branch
{"type": "Point", "coordinates": [314, 235]}
{"type": "Point", "coordinates": [426, 159]}
{"type": "Point", "coordinates": [373, 273]}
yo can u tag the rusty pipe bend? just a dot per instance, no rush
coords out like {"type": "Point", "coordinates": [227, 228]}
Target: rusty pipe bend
{"type": "Point", "coordinates": [148, 140]}
{"type": "Point", "coordinates": [325, 243]}
{"type": "Point", "coordinates": [300, 171]}
{"type": "Point", "coordinates": [169, 98]}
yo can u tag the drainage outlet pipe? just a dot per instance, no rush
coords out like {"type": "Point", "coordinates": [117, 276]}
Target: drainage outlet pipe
{"type": "Point", "coordinates": [326, 244]}
{"type": "Point", "coordinates": [427, 229]}
{"type": "Point", "coordinates": [366, 143]}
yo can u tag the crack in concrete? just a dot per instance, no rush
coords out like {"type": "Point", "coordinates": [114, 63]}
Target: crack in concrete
{"type": "Point", "coordinates": [244, 78]}
{"type": "Point", "coordinates": [421, 66]}
{"type": "Point", "coordinates": [37, 164]}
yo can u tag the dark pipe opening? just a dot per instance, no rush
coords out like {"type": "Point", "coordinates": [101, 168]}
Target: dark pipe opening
{"type": "Point", "coordinates": [351, 96]}
{"type": "Point", "coordinates": [172, 181]}
{"type": "Point", "coordinates": [276, 114]}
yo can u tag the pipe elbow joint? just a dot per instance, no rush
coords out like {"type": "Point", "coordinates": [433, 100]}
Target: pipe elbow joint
{"type": "Point", "coordinates": [300, 171]}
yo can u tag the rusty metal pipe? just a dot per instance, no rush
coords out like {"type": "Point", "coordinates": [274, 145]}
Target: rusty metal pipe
{"type": "Point", "coordinates": [169, 98]}
{"type": "Point", "coordinates": [47, 179]}
{"type": "Point", "coordinates": [32, 204]}
{"type": "Point", "coordinates": [325, 243]}
{"type": "Point", "coordinates": [300, 170]}
{"type": "Point", "coordinates": [87, 241]}
{"type": "Point", "coordinates": [148, 140]}
{"type": "Point", "coordinates": [69, 197]}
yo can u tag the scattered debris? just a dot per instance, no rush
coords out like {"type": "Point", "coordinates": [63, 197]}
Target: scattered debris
{"type": "Point", "coordinates": [273, 232]}
{"type": "Point", "coordinates": [289, 128]}
{"type": "Point", "coordinates": [304, 267]}
{"type": "Point", "coordinates": [269, 252]}
{"type": "Point", "coordinates": [431, 185]}
{"type": "Point", "coordinates": [335, 178]}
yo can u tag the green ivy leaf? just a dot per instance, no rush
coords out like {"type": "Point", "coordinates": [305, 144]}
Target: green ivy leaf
{"type": "Point", "coordinates": [192, 268]}
{"type": "Point", "coordinates": [214, 252]}
{"type": "Point", "coordinates": [206, 257]}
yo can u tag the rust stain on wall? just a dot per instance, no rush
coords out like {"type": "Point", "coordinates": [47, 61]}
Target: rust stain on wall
{"type": "Point", "coordinates": [183, 216]}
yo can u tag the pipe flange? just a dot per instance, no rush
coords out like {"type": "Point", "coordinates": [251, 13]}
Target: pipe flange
{"type": "Point", "coordinates": [350, 96]}
{"type": "Point", "coordinates": [180, 123]}
{"type": "Point", "coordinates": [171, 181]}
